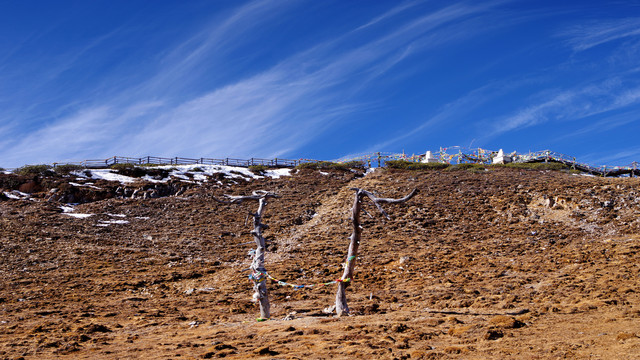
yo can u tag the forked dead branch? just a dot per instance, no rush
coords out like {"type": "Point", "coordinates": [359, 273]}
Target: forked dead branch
{"type": "Point", "coordinates": [258, 270]}
{"type": "Point", "coordinates": [341, 298]}
{"type": "Point", "coordinates": [259, 273]}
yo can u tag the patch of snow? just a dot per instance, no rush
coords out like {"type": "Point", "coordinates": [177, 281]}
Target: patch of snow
{"type": "Point", "coordinates": [142, 217]}
{"type": "Point", "coordinates": [199, 177]}
{"type": "Point", "coordinates": [181, 176]}
{"type": "Point", "coordinates": [370, 170]}
{"type": "Point", "coordinates": [11, 196]}
{"type": "Point", "coordinates": [79, 216]}
{"type": "Point", "coordinates": [85, 185]}
{"type": "Point", "coordinates": [324, 173]}
{"type": "Point", "coordinates": [17, 195]}
{"type": "Point", "coordinates": [106, 174]}
{"type": "Point", "coordinates": [117, 215]}
{"type": "Point", "coordinates": [151, 179]}
{"type": "Point", "coordinates": [277, 173]}
{"type": "Point", "coordinates": [109, 222]}
{"type": "Point", "coordinates": [67, 209]}
{"type": "Point", "coordinates": [181, 171]}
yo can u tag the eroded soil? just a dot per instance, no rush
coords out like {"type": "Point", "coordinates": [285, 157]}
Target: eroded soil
{"type": "Point", "coordinates": [493, 264]}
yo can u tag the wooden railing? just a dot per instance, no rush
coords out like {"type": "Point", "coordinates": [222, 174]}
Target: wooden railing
{"type": "Point", "coordinates": [482, 156]}
{"type": "Point", "coordinates": [373, 159]}
{"type": "Point", "coordinates": [155, 160]}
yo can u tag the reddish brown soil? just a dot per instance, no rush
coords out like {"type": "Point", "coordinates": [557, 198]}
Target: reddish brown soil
{"type": "Point", "coordinates": [500, 264]}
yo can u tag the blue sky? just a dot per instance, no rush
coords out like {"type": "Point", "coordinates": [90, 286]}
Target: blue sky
{"type": "Point", "coordinates": [317, 79]}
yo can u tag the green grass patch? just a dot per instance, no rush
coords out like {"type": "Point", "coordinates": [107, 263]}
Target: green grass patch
{"type": "Point", "coordinates": [122, 166]}
{"type": "Point", "coordinates": [258, 169]}
{"type": "Point", "coordinates": [467, 166]}
{"type": "Point", "coordinates": [34, 170]}
{"type": "Point", "coordinates": [410, 165]}
{"type": "Point", "coordinates": [326, 165]}
{"type": "Point", "coordinates": [535, 166]}
{"type": "Point", "coordinates": [65, 169]}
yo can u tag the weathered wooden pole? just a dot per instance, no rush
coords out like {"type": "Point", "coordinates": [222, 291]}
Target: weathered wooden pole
{"type": "Point", "coordinates": [354, 243]}
{"type": "Point", "coordinates": [258, 270]}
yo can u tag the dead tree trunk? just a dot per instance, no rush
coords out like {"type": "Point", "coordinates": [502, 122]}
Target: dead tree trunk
{"type": "Point", "coordinates": [258, 270]}
{"type": "Point", "coordinates": [341, 298]}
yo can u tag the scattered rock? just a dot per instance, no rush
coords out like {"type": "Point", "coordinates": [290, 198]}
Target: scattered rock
{"type": "Point", "coordinates": [493, 334]}
{"type": "Point", "coordinates": [96, 328]}
{"type": "Point", "coordinates": [505, 322]}
{"type": "Point", "coordinates": [264, 350]}
{"type": "Point", "coordinates": [329, 310]}
{"type": "Point", "coordinates": [625, 336]}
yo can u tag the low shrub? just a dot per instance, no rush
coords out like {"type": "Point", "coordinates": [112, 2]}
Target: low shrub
{"type": "Point", "coordinates": [128, 170]}
{"type": "Point", "coordinates": [355, 164]}
{"type": "Point", "coordinates": [197, 169]}
{"type": "Point", "coordinates": [34, 170]}
{"type": "Point", "coordinates": [122, 166]}
{"type": "Point", "coordinates": [258, 169]}
{"type": "Point", "coordinates": [326, 165]}
{"type": "Point", "coordinates": [10, 181]}
{"type": "Point", "coordinates": [467, 166]}
{"type": "Point", "coordinates": [65, 169]}
{"type": "Point", "coordinates": [410, 165]}
{"type": "Point", "coordinates": [536, 166]}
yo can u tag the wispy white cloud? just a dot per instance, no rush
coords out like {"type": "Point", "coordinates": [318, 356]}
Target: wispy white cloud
{"type": "Point", "coordinates": [390, 13]}
{"type": "Point", "coordinates": [207, 48]}
{"type": "Point", "coordinates": [620, 158]}
{"type": "Point", "coordinates": [569, 105]}
{"type": "Point", "coordinates": [89, 131]}
{"type": "Point", "coordinates": [451, 112]}
{"type": "Point", "coordinates": [271, 113]}
{"type": "Point", "coordinates": [584, 37]}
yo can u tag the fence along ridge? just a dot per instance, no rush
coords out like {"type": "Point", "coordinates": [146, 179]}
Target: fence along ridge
{"type": "Point", "coordinates": [483, 156]}
{"type": "Point", "coordinates": [156, 160]}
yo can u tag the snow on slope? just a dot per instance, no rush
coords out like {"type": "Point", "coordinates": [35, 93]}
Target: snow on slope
{"type": "Point", "coordinates": [198, 172]}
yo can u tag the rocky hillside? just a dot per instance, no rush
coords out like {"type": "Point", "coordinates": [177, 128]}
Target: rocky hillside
{"type": "Point", "coordinates": [497, 263]}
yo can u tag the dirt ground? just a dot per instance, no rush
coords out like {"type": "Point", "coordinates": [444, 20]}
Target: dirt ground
{"type": "Point", "coordinates": [497, 264]}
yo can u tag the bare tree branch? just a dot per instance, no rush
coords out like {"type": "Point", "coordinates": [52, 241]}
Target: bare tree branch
{"type": "Point", "coordinates": [256, 195]}
{"type": "Point", "coordinates": [258, 270]}
{"type": "Point", "coordinates": [354, 243]}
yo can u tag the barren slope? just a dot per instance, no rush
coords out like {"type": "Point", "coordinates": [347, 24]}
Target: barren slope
{"type": "Point", "coordinates": [493, 264]}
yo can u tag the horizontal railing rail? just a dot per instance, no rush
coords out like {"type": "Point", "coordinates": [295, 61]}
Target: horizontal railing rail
{"type": "Point", "coordinates": [461, 155]}
{"type": "Point", "coordinates": [483, 156]}
{"type": "Point", "coordinates": [156, 160]}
